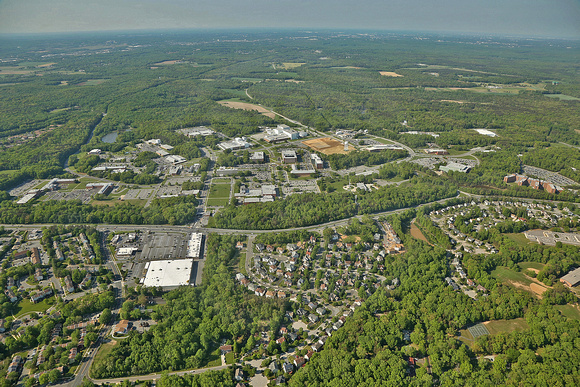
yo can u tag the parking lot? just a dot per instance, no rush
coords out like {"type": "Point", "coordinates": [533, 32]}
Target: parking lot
{"type": "Point", "coordinates": [551, 177]}
{"type": "Point", "coordinates": [168, 190]}
{"type": "Point", "coordinates": [24, 188]}
{"type": "Point", "coordinates": [78, 194]}
{"type": "Point", "coordinates": [142, 194]}
{"type": "Point", "coordinates": [164, 246]}
{"type": "Point", "coordinates": [299, 186]}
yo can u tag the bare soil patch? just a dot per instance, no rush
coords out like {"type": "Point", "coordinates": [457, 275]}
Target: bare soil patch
{"type": "Point", "coordinates": [389, 74]}
{"type": "Point", "coordinates": [327, 145]}
{"type": "Point", "coordinates": [417, 234]}
{"type": "Point", "coordinates": [46, 65]}
{"type": "Point", "coordinates": [538, 289]}
{"type": "Point", "coordinates": [247, 106]}
{"type": "Point", "coordinates": [294, 81]}
{"type": "Point", "coordinates": [451, 100]}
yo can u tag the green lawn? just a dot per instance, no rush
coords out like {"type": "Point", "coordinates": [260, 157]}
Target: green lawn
{"type": "Point", "coordinates": [505, 275]}
{"type": "Point", "coordinates": [453, 152]}
{"type": "Point", "coordinates": [218, 201]}
{"type": "Point", "coordinates": [26, 306]}
{"type": "Point", "coordinates": [230, 358]}
{"type": "Point", "coordinates": [214, 359]}
{"type": "Point", "coordinates": [220, 191]}
{"type": "Point", "coordinates": [137, 202]}
{"type": "Point", "coordinates": [519, 239]}
{"type": "Point", "coordinates": [242, 264]}
{"type": "Point", "coordinates": [104, 351]}
{"type": "Point", "coordinates": [569, 311]}
{"type": "Point", "coordinates": [531, 265]}
{"type": "Point", "coordinates": [337, 185]}
{"type": "Point", "coordinates": [507, 326]}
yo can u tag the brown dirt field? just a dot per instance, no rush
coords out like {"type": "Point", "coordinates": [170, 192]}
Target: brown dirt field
{"type": "Point", "coordinates": [247, 106]}
{"type": "Point", "coordinates": [538, 289]}
{"type": "Point", "coordinates": [417, 234]}
{"type": "Point", "coordinates": [294, 81]}
{"type": "Point", "coordinates": [534, 270]}
{"type": "Point", "coordinates": [389, 74]}
{"type": "Point", "coordinates": [46, 65]}
{"type": "Point", "coordinates": [327, 145]}
{"type": "Point", "coordinates": [451, 100]}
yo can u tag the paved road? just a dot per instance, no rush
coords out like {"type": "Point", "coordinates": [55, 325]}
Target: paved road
{"type": "Point", "coordinates": [168, 228]}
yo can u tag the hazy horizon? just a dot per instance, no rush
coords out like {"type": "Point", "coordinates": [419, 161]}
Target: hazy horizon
{"type": "Point", "coordinates": [542, 18]}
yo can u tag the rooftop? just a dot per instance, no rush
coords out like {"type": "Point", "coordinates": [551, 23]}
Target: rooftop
{"type": "Point", "coordinates": [168, 273]}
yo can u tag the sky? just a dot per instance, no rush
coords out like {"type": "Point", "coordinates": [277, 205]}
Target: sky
{"type": "Point", "coordinates": [541, 18]}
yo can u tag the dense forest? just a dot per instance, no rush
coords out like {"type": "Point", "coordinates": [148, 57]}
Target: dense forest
{"type": "Point", "coordinates": [177, 210]}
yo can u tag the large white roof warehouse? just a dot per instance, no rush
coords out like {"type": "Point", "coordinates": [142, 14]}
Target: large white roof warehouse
{"type": "Point", "coordinates": [170, 273]}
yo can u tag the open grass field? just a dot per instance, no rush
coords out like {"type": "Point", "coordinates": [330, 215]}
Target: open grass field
{"type": "Point", "coordinates": [218, 202]}
{"type": "Point", "coordinates": [104, 350]}
{"type": "Point", "coordinates": [500, 326]}
{"type": "Point", "coordinates": [468, 336]}
{"type": "Point", "coordinates": [26, 306]}
{"type": "Point", "coordinates": [338, 185]}
{"type": "Point", "coordinates": [247, 106]}
{"type": "Point", "coordinates": [327, 145]}
{"type": "Point", "coordinates": [510, 276]}
{"type": "Point", "coordinates": [519, 239]}
{"type": "Point", "coordinates": [220, 191]}
{"type": "Point", "coordinates": [569, 311]}
{"type": "Point", "coordinates": [531, 265]}
{"type": "Point", "coordinates": [519, 280]}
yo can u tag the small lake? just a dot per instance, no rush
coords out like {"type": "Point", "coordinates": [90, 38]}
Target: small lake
{"type": "Point", "coordinates": [110, 138]}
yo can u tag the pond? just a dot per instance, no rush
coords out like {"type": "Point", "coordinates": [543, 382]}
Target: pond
{"type": "Point", "coordinates": [110, 138]}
